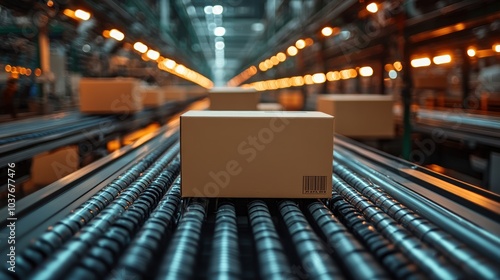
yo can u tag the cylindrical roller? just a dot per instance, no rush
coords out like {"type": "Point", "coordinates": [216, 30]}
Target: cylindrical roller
{"type": "Point", "coordinates": [224, 257]}
{"type": "Point", "coordinates": [136, 261]}
{"type": "Point", "coordinates": [393, 260]}
{"type": "Point", "coordinates": [88, 210]}
{"type": "Point", "coordinates": [474, 264]}
{"type": "Point", "coordinates": [128, 223]}
{"type": "Point", "coordinates": [426, 258]}
{"type": "Point", "coordinates": [355, 259]}
{"type": "Point", "coordinates": [273, 263]}
{"type": "Point", "coordinates": [180, 257]}
{"type": "Point", "coordinates": [61, 261]}
{"type": "Point", "coordinates": [315, 261]}
{"type": "Point", "coordinates": [486, 243]}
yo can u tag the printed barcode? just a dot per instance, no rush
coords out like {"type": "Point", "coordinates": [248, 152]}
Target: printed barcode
{"type": "Point", "coordinates": [314, 184]}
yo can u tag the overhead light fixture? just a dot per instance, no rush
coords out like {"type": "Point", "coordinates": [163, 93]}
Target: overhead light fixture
{"type": "Point", "coordinates": [263, 66]}
{"type": "Point", "coordinates": [398, 65]}
{"type": "Point", "coordinates": [420, 62]}
{"type": "Point", "coordinates": [319, 78]}
{"type": "Point", "coordinates": [366, 71]}
{"type": "Point", "coordinates": [327, 31]}
{"type": "Point", "coordinates": [281, 56]}
{"type": "Point", "coordinates": [219, 31]}
{"type": "Point", "coordinates": [300, 44]}
{"type": "Point", "coordinates": [140, 47]}
{"type": "Point", "coordinates": [170, 64]}
{"type": "Point", "coordinates": [292, 51]}
{"type": "Point", "coordinates": [219, 45]}
{"type": "Point", "coordinates": [441, 59]}
{"type": "Point", "coordinates": [117, 35]}
{"type": "Point", "coordinates": [208, 10]}
{"type": "Point", "coordinates": [393, 74]}
{"type": "Point", "coordinates": [217, 9]}
{"type": "Point", "coordinates": [81, 14]}
{"type": "Point", "coordinates": [372, 8]}
{"type": "Point", "coordinates": [496, 47]}
{"type": "Point", "coordinates": [471, 52]}
{"type": "Point", "coordinates": [153, 55]}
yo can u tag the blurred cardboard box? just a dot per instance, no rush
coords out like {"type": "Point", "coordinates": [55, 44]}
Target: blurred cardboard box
{"type": "Point", "coordinates": [256, 154]}
{"type": "Point", "coordinates": [360, 115]}
{"type": "Point", "coordinates": [49, 167]}
{"type": "Point", "coordinates": [291, 100]}
{"type": "Point", "coordinates": [174, 93]}
{"type": "Point", "coordinates": [110, 95]}
{"type": "Point", "coordinates": [233, 98]}
{"type": "Point", "coordinates": [152, 96]}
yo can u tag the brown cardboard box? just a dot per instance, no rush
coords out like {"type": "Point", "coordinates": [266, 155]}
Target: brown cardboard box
{"type": "Point", "coordinates": [291, 100]}
{"type": "Point", "coordinates": [152, 96]}
{"type": "Point", "coordinates": [49, 167]}
{"type": "Point", "coordinates": [110, 95]}
{"type": "Point", "coordinates": [233, 98]}
{"type": "Point", "coordinates": [269, 107]}
{"type": "Point", "coordinates": [174, 93]}
{"type": "Point", "coordinates": [256, 154]}
{"type": "Point", "coordinates": [360, 115]}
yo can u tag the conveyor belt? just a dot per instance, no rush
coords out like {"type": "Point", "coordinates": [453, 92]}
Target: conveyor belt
{"type": "Point", "coordinates": [136, 226]}
{"type": "Point", "coordinates": [29, 140]}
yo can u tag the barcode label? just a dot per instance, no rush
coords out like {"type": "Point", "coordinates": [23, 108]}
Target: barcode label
{"type": "Point", "coordinates": [313, 184]}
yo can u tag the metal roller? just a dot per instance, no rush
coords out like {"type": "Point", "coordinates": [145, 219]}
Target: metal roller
{"type": "Point", "coordinates": [273, 263]}
{"type": "Point", "coordinates": [474, 264]}
{"type": "Point", "coordinates": [426, 258]}
{"type": "Point", "coordinates": [224, 261]}
{"type": "Point", "coordinates": [315, 260]}
{"type": "Point", "coordinates": [62, 260]}
{"type": "Point", "coordinates": [351, 254]}
{"type": "Point", "coordinates": [397, 264]}
{"type": "Point", "coordinates": [180, 257]}
{"type": "Point", "coordinates": [138, 259]}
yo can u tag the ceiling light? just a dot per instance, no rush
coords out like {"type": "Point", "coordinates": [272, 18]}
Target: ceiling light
{"type": "Point", "coordinates": [117, 35]}
{"type": "Point", "coordinates": [281, 56]}
{"type": "Point", "coordinates": [393, 74]}
{"type": "Point", "coordinates": [372, 8]}
{"type": "Point", "coordinates": [153, 55]}
{"type": "Point", "coordinates": [82, 14]}
{"type": "Point", "coordinates": [292, 51]}
{"type": "Point", "coordinates": [217, 9]}
{"type": "Point", "coordinates": [397, 65]}
{"type": "Point", "coordinates": [366, 71]}
{"type": "Point", "coordinates": [319, 78]}
{"type": "Point", "coordinates": [219, 31]}
{"type": "Point", "coordinates": [471, 52]}
{"type": "Point", "coordinates": [208, 10]}
{"type": "Point", "coordinates": [170, 64]}
{"type": "Point", "coordinates": [300, 44]}
{"type": "Point", "coordinates": [496, 47]}
{"type": "Point", "coordinates": [257, 27]}
{"type": "Point", "coordinates": [420, 62]}
{"type": "Point", "coordinates": [219, 45]}
{"type": "Point", "coordinates": [327, 31]}
{"type": "Point", "coordinates": [441, 59]}
{"type": "Point", "coordinates": [140, 47]}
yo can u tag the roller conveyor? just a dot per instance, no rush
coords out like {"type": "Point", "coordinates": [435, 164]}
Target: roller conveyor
{"type": "Point", "coordinates": [381, 223]}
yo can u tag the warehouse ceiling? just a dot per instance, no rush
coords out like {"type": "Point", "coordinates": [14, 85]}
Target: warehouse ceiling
{"type": "Point", "coordinates": [227, 32]}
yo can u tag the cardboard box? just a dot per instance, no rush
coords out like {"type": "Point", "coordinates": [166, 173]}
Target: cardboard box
{"type": "Point", "coordinates": [291, 100]}
{"type": "Point", "coordinates": [256, 154]}
{"type": "Point", "coordinates": [269, 107]}
{"type": "Point", "coordinates": [49, 167]}
{"type": "Point", "coordinates": [152, 96]}
{"type": "Point", "coordinates": [233, 98]}
{"type": "Point", "coordinates": [174, 93]}
{"type": "Point", "coordinates": [360, 115]}
{"type": "Point", "coordinates": [110, 95]}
